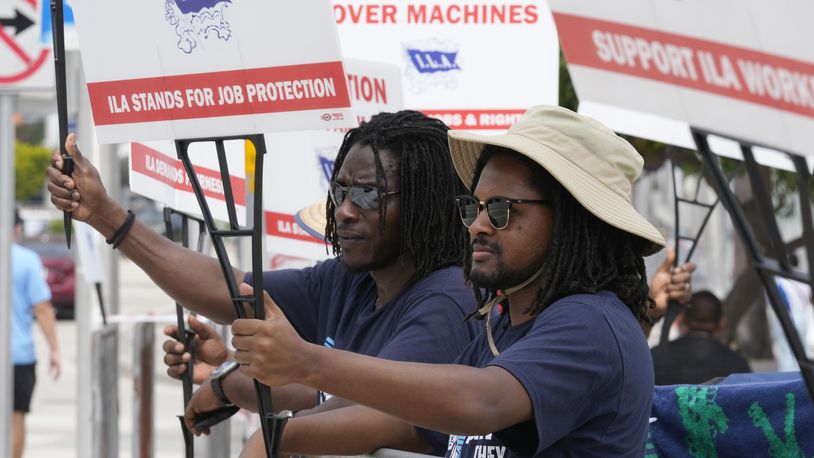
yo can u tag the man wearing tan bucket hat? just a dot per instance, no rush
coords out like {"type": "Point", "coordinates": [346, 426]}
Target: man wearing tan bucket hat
{"type": "Point", "coordinates": [564, 368]}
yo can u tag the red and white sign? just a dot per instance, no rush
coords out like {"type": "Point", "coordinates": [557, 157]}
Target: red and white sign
{"type": "Point", "coordinates": [743, 69]}
{"type": "Point", "coordinates": [474, 65]}
{"type": "Point", "coordinates": [298, 168]}
{"type": "Point", "coordinates": [207, 68]}
{"type": "Point", "coordinates": [25, 61]}
{"type": "Point", "coordinates": [157, 174]}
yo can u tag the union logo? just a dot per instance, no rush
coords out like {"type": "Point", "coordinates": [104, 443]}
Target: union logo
{"type": "Point", "coordinates": [196, 20]}
{"type": "Point", "coordinates": [431, 64]}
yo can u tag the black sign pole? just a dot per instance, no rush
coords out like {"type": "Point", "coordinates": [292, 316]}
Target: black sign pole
{"type": "Point", "coordinates": [58, 32]}
{"type": "Point", "coordinates": [185, 336]}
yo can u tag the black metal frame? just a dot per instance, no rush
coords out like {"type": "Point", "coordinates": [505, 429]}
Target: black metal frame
{"type": "Point", "coordinates": [673, 307]}
{"type": "Point", "coordinates": [272, 423]}
{"type": "Point", "coordinates": [185, 337]}
{"type": "Point", "coordinates": [767, 268]}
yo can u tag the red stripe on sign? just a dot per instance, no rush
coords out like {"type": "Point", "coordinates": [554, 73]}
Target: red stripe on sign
{"type": "Point", "coordinates": [228, 93]}
{"type": "Point", "coordinates": [285, 225]}
{"type": "Point", "coordinates": [738, 73]}
{"type": "Point", "coordinates": [477, 119]}
{"type": "Point", "coordinates": [170, 171]}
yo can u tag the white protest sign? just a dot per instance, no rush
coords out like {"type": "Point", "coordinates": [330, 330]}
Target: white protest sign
{"type": "Point", "coordinates": [299, 165]}
{"type": "Point", "coordinates": [474, 65]}
{"type": "Point", "coordinates": [89, 243]}
{"type": "Point", "coordinates": [26, 62]}
{"type": "Point", "coordinates": [210, 68]}
{"type": "Point", "coordinates": [157, 174]}
{"type": "Point", "coordinates": [740, 68]}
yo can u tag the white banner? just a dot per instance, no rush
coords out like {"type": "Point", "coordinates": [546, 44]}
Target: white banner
{"type": "Point", "coordinates": [741, 68]}
{"type": "Point", "coordinates": [475, 65]}
{"type": "Point", "coordinates": [175, 69]}
{"type": "Point", "coordinates": [157, 174]}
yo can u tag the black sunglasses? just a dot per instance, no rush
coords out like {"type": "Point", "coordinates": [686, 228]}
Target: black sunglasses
{"type": "Point", "coordinates": [497, 208]}
{"type": "Point", "coordinates": [364, 197]}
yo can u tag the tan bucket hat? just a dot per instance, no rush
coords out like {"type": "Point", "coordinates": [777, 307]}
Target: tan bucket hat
{"type": "Point", "coordinates": [312, 219]}
{"type": "Point", "coordinates": [593, 163]}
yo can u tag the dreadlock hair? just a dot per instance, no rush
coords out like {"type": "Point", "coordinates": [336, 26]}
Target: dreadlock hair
{"type": "Point", "coordinates": [431, 231]}
{"type": "Point", "coordinates": [586, 255]}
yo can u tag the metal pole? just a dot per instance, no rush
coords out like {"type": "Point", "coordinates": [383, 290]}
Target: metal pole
{"type": "Point", "coordinates": [143, 368]}
{"type": "Point", "coordinates": [95, 433]}
{"type": "Point", "coordinates": [83, 298]}
{"type": "Point", "coordinates": [7, 136]}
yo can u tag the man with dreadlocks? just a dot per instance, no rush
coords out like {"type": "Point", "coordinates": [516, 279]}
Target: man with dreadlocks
{"type": "Point", "coordinates": [563, 368]}
{"type": "Point", "coordinates": [396, 290]}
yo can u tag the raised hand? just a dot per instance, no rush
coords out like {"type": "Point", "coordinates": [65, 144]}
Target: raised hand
{"type": "Point", "coordinates": [210, 351]}
{"type": "Point", "coordinates": [671, 284]}
{"type": "Point", "coordinates": [269, 350]}
{"type": "Point", "coordinates": [82, 194]}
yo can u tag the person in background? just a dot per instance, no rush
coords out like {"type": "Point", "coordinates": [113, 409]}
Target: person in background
{"type": "Point", "coordinates": [31, 298]}
{"type": "Point", "coordinates": [697, 356]}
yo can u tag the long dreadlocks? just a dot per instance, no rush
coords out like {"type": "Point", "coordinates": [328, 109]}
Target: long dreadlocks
{"type": "Point", "coordinates": [586, 254]}
{"type": "Point", "coordinates": [431, 231]}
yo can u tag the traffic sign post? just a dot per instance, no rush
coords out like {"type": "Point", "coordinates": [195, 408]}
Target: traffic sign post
{"type": "Point", "coordinates": [24, 57]}
{"type": "Point", "coordinates": [23, 66]}
{"type": "Point", "coordinates": [6, 214]}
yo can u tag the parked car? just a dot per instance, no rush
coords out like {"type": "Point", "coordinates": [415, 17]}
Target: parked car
{"type": "Point", "coordinates": [59, 265]}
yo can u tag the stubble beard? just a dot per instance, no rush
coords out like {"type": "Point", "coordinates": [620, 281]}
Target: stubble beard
{"type": "Point", "coordinates": [502, 277]}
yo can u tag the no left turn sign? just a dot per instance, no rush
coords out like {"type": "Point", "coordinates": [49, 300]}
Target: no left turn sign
{"type": "Point", "coordinates": [26, 62]}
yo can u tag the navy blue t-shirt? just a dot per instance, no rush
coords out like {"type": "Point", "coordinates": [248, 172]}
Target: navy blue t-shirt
{"type": "Point", "coordinates": [329, 305]}
{"type": "Point", "coordinates": [586, 367]}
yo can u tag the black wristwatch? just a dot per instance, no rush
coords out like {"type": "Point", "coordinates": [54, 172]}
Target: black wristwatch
{"type": "Point", "coordinates": [216, 380]}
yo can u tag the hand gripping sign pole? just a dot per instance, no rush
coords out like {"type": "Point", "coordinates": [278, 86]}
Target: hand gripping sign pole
{"type": "Point", "coordinates": [58, 31]}
{"type": "Point", "coordinates": [272, 423]}
{"type": "Point", "coordinates": [776, 263]}
{"type": "Point", "coordinates": [186, 337]}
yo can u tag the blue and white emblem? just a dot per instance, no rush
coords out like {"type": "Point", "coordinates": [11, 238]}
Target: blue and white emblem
{"type": "Point", "coordinates": [196, 20]}
{"type": "Point", "coordinates": [431, 63]}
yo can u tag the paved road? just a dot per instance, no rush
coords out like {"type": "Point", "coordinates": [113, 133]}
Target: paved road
{"type": "Point", "coordinates": [52, 421]}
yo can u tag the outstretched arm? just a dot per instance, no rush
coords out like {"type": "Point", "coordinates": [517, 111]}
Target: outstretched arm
{"type": "Point", "coordinates": [449, 398]}
{"type": "Point", "coordinates": [190, 278]}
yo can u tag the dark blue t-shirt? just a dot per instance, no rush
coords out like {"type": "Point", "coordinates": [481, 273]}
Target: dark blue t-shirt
{"type": "Point", "coordinates": [329, 305]}
{"type": "Point", "coordinates": [586, 367]}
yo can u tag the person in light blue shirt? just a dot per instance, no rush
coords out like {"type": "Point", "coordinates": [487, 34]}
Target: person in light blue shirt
{"type": "Point", "coordinates": [30, 298]}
